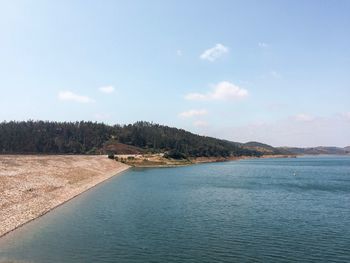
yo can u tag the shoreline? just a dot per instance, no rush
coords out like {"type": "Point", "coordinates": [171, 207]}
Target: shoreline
{"type": "Point", "coordinates": [199, 160]}
{"type": "Point", "coordinates": [21, 218]}
{"type": "Point", "coordinates": [15, 214]}
{"type": "Point", "coordinates": [64, 202]}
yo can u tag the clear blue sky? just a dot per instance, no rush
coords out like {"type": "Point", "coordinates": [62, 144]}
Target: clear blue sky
{"type": "Point", "coordinates": [272, 71]}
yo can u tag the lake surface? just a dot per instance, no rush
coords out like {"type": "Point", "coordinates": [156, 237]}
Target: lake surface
{"type": "Point", "coordinates": [262, 210]}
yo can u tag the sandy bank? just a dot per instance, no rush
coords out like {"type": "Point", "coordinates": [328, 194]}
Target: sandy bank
{"type": "Point", "coordinates": [32, 185]}
{"type": "Point", "coordinates": [158, 160]}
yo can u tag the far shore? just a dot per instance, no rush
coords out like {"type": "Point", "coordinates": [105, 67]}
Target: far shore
{"type": "Point", "coordinates": [32, 185]}
{"type": "Point", "coordinates": [158, 161]}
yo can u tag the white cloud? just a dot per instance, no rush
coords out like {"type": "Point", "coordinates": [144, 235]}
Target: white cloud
{"type": "Point", "coordinates": [70, 96]}
{"type": "Point", "coordinates": [303, 117]}
{"type": "Point", "coordinates": [179, 52]}
{"type": "Point", "coordinates": [263, 45]}
{"type": "Point", "coordinates": [193, 113]}
{"type": "Point", "coordinates": [200, 124]}
{"type": "Point", "coordinates": [224, 90]}
{"type": "Point", "coordinates": [107, 89]}
{"type": "Point", "coordinates": [214, 53]}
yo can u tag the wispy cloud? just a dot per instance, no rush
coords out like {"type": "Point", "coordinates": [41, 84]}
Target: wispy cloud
{"type": "Point", "coordinates": [304, 117]}
{"type": "Point", "coordinates": [263, 45]}
{"type": "Point", "coordinates": [272, 74]}
{"type": "Point", "coordinates": [193, 113]}
{"type": "Point", "coordinates": [107, 89]}
{"type": "Point", "coordinates": [200, 124]}
{"type": "Point", "coordinates": [222, 91]}
{"type": "Point", "coordinates": [214, 53]}
{"type": "Point", "coordinates": [70, 96]}
{"type": "Point", "coordinates": [179, 52]}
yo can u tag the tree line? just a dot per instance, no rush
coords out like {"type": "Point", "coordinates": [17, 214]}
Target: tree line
{"type": "Point", "coordinates": [86, 137]}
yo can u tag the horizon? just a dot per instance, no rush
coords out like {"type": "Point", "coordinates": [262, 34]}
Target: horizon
{"type": "Point", "coordinates": [241, 71]}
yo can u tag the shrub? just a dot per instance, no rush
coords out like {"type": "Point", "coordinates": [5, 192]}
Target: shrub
{"type": "Point", "coordinates": [111, 155]}
{"type": "Point", "coordinates": [174, 154]}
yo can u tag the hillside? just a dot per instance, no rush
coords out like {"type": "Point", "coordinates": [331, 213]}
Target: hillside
{"type": "Point", "coordinates": [113, 146]}
{"type": "Point", "coordinates": [265, 148]}
{"type": "Point", "coordinates": [46, 137]}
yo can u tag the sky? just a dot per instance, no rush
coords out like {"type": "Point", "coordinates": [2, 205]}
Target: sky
{"type": "Point", "coordinates": [277, 72]}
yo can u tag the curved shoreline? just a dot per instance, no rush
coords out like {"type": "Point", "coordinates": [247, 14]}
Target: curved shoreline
{"type": "Point", "coordinates": [22, 205]}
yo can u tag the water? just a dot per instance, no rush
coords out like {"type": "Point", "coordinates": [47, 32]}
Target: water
{"type": "Point", "coordinates": [265, 210]}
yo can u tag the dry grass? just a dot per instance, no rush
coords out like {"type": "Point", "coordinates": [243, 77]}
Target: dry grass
{"type": "Point", "coordinates": [150, 160]}
{"type": "Point", "coordinates": [32, 185]}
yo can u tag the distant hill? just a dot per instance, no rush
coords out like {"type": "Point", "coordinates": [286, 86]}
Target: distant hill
{"type": "Point", "coordinates": [317, 150]}
{"type": "Point", "coordinates": [265, 148]}
{"type": "Point", "coordinates": [82, 137]}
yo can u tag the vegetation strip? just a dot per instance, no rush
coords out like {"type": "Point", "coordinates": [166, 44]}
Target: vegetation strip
{"type": "Point", "coordinates": [44, 137]}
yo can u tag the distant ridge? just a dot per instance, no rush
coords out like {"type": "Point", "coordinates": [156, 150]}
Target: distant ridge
{"type": "Point", "coordinates": [317, 150]}
{"type": "Point", "coordinates": [265, 148]}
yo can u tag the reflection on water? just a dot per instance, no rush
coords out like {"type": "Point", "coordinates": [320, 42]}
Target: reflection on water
{"type": "Point", "coordinates": [268, 210]}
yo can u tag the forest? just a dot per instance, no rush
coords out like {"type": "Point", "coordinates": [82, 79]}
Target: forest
{"type": "Point", "coordinates": [85, 137]}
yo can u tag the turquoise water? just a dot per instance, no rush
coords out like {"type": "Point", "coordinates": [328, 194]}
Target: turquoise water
{"type": "Point", "coordinates": [264, 210]}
